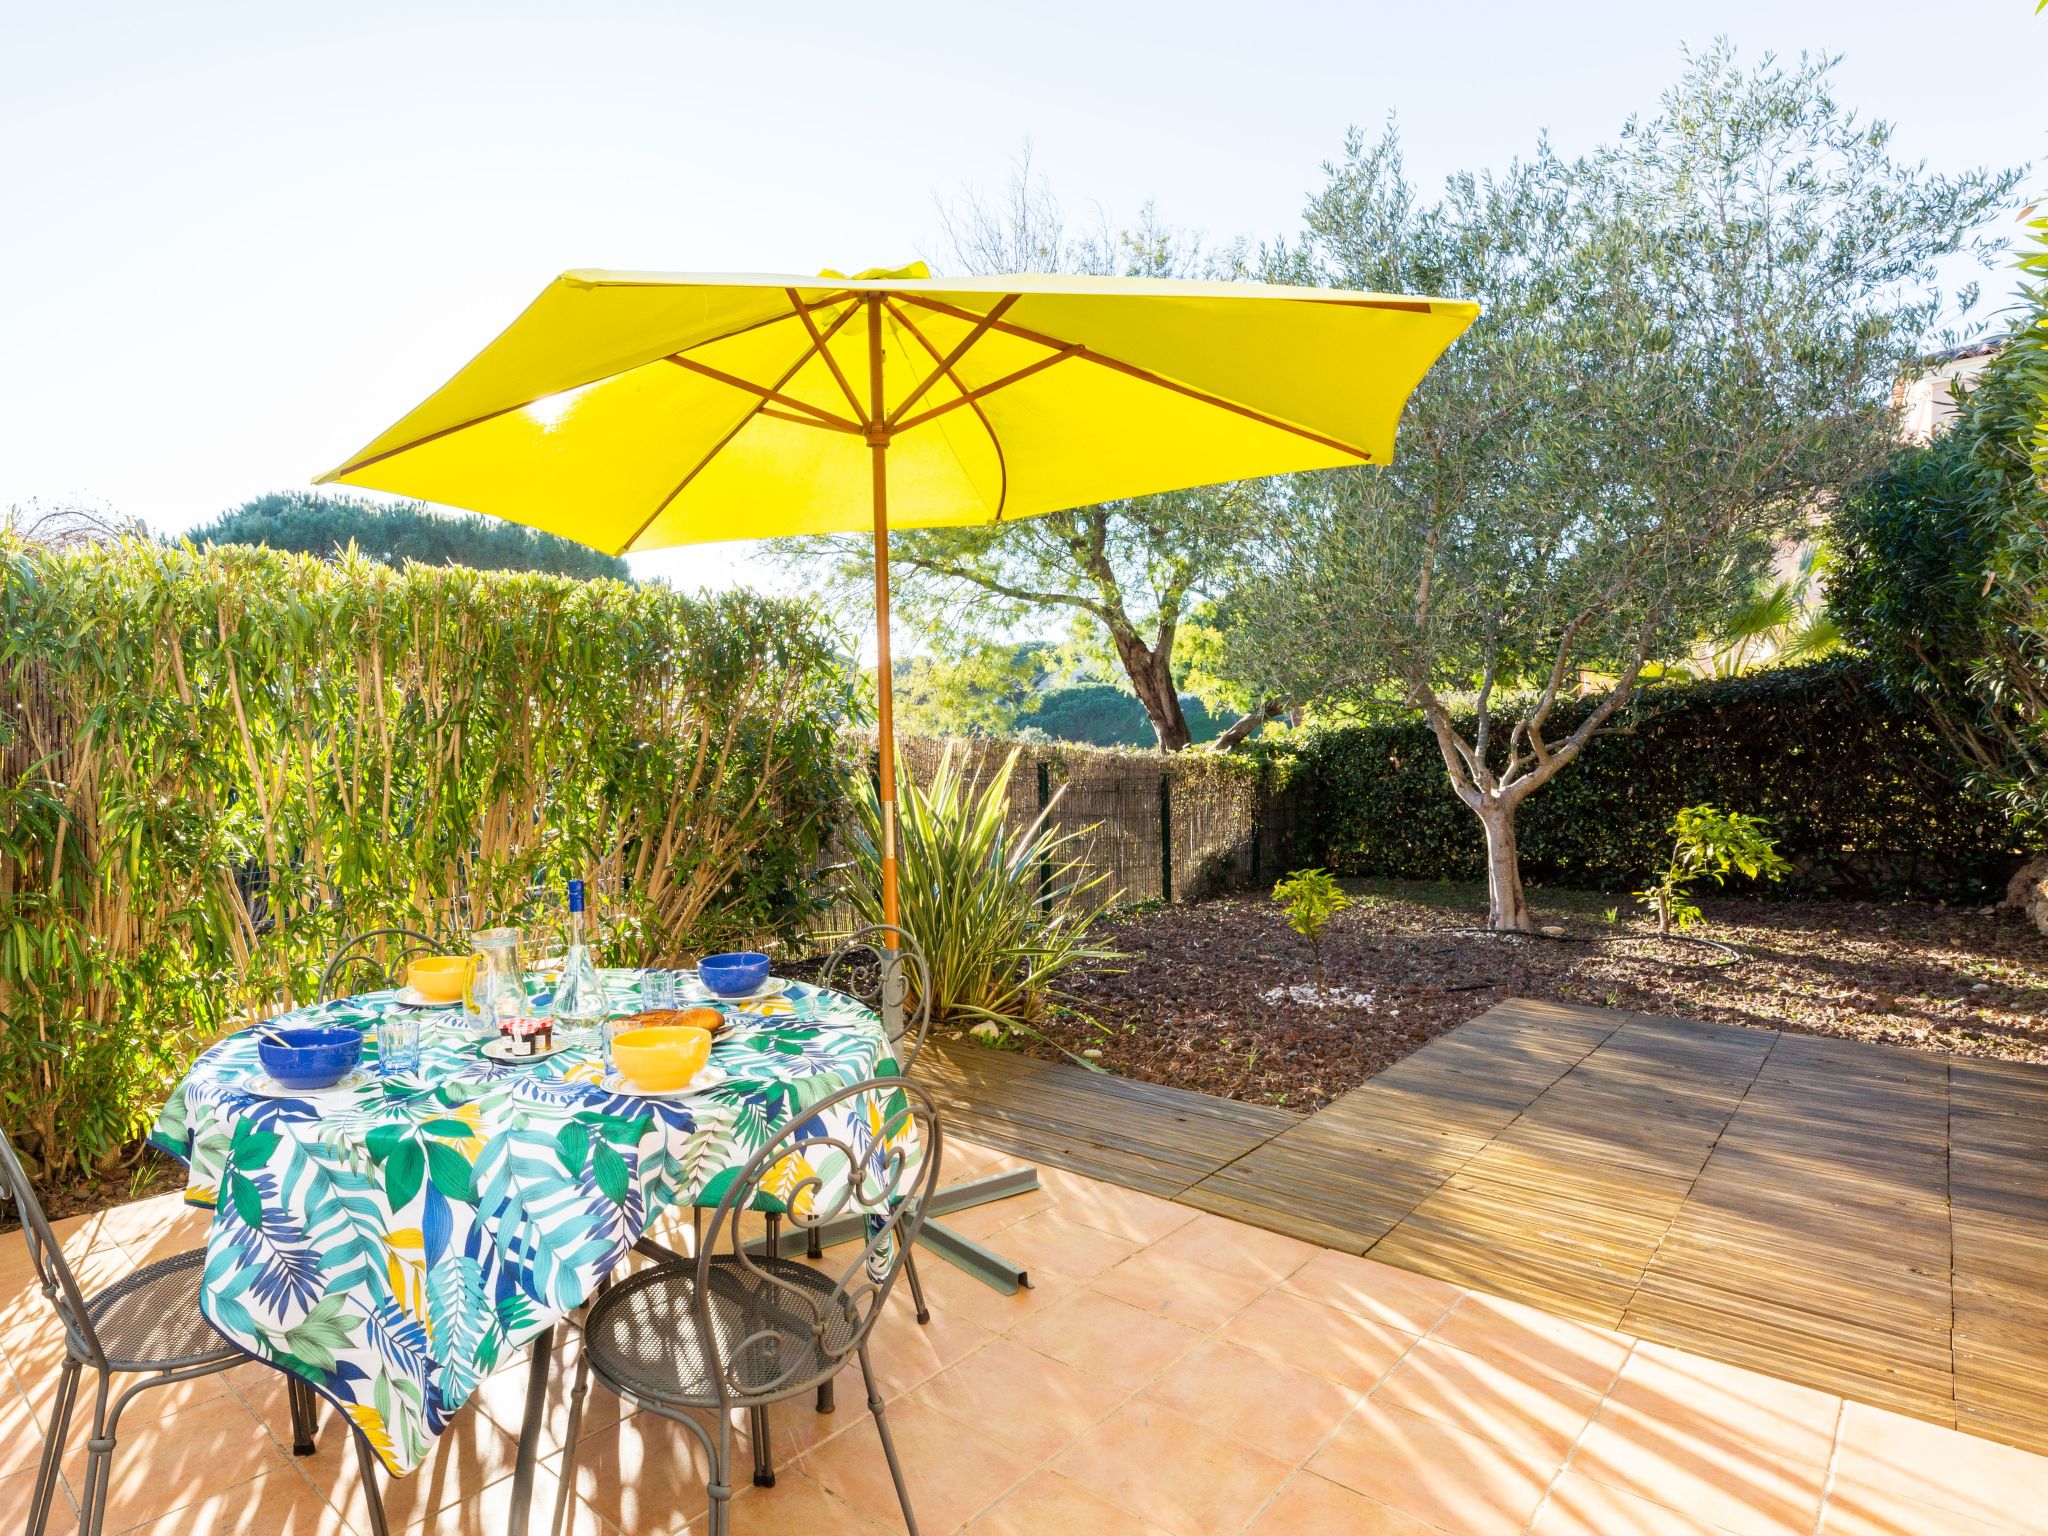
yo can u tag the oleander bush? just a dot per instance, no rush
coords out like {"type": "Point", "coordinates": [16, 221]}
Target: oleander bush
{"type": "Point", "coordinates": [1862, 796]}
{"type": "Point", "coordinates": [215, 763]}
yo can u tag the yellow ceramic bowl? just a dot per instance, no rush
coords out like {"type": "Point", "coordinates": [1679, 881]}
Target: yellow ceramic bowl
{"type": "Point", "coordinates": [662, 1058]}
{"type": "Point", "coordinates": [440, 978]}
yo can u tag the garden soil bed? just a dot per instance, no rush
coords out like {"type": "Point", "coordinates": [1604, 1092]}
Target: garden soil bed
{"type": "Point", "coordinates": [1215, 996]}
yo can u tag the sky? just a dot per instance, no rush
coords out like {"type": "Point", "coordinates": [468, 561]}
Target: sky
{"type": "Point", "coordinates": [237, 241]}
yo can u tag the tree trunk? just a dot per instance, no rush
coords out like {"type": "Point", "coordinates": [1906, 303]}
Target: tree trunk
{"type": "Point", "coordinates": [1505, 907]}
{"type": "Point", "coordinates": [1151, 675]}
{"type": "Point", "coordinates": [1272, 709]}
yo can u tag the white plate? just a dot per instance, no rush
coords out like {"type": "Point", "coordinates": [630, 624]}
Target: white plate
{"type": "Point", "coordinates": [412, 997]}
{"type": "Point", "coordinates": [500, 1049]}
{"type": "Point", "coordinates": [708, 1077]}
{"type": "Point", "coordinates": [695, 991]}
{"type": "Point", "coordinates": [263, 1085]}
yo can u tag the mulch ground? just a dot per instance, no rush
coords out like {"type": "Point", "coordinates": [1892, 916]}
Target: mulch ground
{"type": "Point", "coordinates": [1218, 996]}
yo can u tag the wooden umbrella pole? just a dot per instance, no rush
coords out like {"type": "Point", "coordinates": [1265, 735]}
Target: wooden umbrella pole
{"type": "Point", "coordinates": [878, 450]}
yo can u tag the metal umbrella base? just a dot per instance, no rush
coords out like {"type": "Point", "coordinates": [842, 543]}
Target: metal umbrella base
{"type": "Point", "coordinates": [986, 1265]}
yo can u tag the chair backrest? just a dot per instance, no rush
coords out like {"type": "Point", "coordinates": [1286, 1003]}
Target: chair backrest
{"type": "Point", "coordinates": [377, 957]}
{"type": "Point", "coordinates": [876, 1147]}
{"type": "Point", "coordinates": [863, 968]}
{"type": "Point", "coordinates": [47, 1256]}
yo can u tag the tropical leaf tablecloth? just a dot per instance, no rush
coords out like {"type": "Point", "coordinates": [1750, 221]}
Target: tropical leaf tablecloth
{"type": "Point", "coordinates": [392, 1243]}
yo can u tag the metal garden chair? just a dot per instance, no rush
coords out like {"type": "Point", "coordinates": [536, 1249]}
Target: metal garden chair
{"type": "Point", "coordinates": [146, 1325]}
{"type": "Point", "coordinates": [377, 957]}
{"type": "Point", "coordinates": [747, 1329]}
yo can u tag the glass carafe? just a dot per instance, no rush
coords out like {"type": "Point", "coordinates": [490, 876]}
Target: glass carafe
{"type": "Point", "coordinates": [497, 990]}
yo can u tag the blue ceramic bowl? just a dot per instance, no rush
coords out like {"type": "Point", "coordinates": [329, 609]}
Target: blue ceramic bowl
{"type": "Point", "coordinates": [733, 975]}
{"type": "Point", "coordinates": [310, 1057]}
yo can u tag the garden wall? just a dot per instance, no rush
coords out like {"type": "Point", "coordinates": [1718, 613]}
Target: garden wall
{"type": "Point", "coordinates": [215, 764]}
{"type": "Point", "coordinates": [1864, 800]}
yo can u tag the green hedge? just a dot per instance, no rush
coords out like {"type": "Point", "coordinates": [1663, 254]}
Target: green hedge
{"type": "Point", "coordinates": [1863, 799]}
{"type": "Point", "coordinates": [215, 763]}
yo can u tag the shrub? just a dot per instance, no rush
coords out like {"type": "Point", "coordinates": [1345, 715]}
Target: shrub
{"type": "Point", "coordinates": [1708, 842]}
{"type": "Point", "coordinates": [1311, 898]}
{"type": "Point", "coordinates": [997, 914]}
{"type": "Point", "coordinates": [1866, 800]}
{"type": "Point", "coordinates": [215, 763]}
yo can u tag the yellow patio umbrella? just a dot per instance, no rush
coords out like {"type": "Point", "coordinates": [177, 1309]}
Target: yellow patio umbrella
{"type": "Point", "coordinates": [639, 410]}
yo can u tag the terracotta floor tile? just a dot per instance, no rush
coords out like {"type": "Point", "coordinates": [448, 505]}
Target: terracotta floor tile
{"type": "Point", "coordinates": [1270, 1406]}
{"type": "Point", "coordinates": [489, 1513]}
{"type": "Point", "coordinates": [905, 1352]}
{"type": "Point", "coordinates": [1442, 1475]}
{"type": "Point", "coordinates": [1944, 1467]}
{"type": "Point", "coordinates": [1516, 1334]}
{"type": "Point", "coordinates": [1236, 1249]}
{"type": "Point", "coordinates": [280, 1504]}
{"type": "Point", "coordinates": [1106, 1337]}
{"type": "Point", "coordinates": [1303, 1333]}
{"type": "Point", "coordinates": [979, 1223]}
{"type": "Point", "coordinates": [501, 1396]}
{"type": "Point", "coordinates": [796, 1425]}
{"type": "Point", "coordinates": [1855, 1510]}
{"type": "Point", "coordinates": [1681, 1388]}
{"type": "Point", "coordinates": [470, 1455]}
{"type": "Point", "coordinates": [21, 1431]}
{"type": "Point", "coordinates": [1050, 1245]}
{"type": "Point", "coordinates": [1702, 1471]}
{"type": "Point", "coordinates": [952, 1475]}
{"type": "Point", "coordinates": [164, 1464]}
{"type": "Point", "coordinates": [795, 1506]}
{"type": "Point", "coordinates": [1380, 1292]}
{"type": "Point", "coordinates": [1127, 1213]}
{"type": "Point", "coordinates": [1047, 1504]}
{"type": "Point", "coordinates": [1178, 1289]}
{"type": "Point", "coordinates": [17, 1488]}
{"type": "Point", "coordinates": [1315, 1506]}
{"type": "Point", "coordinates": [1027, 1401]}
{"type": "Point", "coordinates": [951, 1289]}
{"type": "Point", "coordinates": [1578, 1506]}
{"type": "Point", "coordinates": [963, 1160]}
{"type": "Point", "coordinates": [1511, 1404]}
{"type": "Point", "coordinates": [1164, 1467]}
{"type": "Point", "coordinates": [649, 1473]}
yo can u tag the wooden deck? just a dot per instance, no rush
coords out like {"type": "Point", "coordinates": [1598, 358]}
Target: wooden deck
{"type": "Point", "coordinates": [1862, 1219]}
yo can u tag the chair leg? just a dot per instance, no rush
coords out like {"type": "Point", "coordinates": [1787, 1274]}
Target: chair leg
{"type": "Point", "coordinates": [53, 1449]}
{"type": "Point", "coordinates": [764, 1450]}
{"type": "Point", "coordinates": [814, 1248]}
{"type": "Point", "coordinates": [368, 1465]}
{"type": "Point", "coordinates": [568, 1474]}
{"type": "Point", "coordinates": [826, 1403]}
{"type": "Point", "coordinates": [867, 1376]}
{"type": "Point", "coordinates": [720, 1485]}
{"type": "Point", "coordinates": [305, 1416]}
{"type": "Point", "coordinates": [924, 1313]}
{"type": "Point", "coordinates": [697, 1230]}
{"type": "Point", "coordinates": [774, 1225]}
{"type": "Point", "coordinates": [99, 1456]}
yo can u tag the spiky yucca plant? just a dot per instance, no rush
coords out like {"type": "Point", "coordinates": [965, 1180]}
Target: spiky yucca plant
{"type": "Point", "coordinates": [998, 915]}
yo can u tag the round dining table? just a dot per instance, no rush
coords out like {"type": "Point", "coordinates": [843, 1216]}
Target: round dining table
{"type": "Point", "coordinates": [392, 1240]}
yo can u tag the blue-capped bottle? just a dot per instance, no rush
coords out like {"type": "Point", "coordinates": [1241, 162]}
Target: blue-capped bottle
{"type": "Point", "coordinates": [580, 1002]}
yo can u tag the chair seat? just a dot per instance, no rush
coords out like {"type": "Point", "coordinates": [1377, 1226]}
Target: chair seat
{"type": "Point", "coordinates": [149, 1321]}
{"type": "Point", "coordinates": [642, 1336]}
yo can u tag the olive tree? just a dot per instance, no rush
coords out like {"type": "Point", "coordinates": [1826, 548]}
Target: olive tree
{"type": "Point", "coordinates": [1689, 340]}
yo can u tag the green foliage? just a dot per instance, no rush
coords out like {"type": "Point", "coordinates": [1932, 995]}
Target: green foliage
{"type": "Point", "coordinates": [322, 523]}
{"type": "Point", "coordinates": [998, 915]}
{"type": "Point", "coordinates": [216, 763]}
{"type": "Point", "coordinates": [1687, 337]}
{"type": "Point", "coordinates": [1311, 898]}
{"type": "Point", "coordinates": [1855, 784]}
{"type": "Point", "coordinates": [1027, 689]}
{"type": "Point", "coordinates": [1710, 843]}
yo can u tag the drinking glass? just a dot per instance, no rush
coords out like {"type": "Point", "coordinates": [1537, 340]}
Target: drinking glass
{"type": "Point", "coordinates": [658, 989]}
{"type": "Point", "coordinates": [398, 1043]}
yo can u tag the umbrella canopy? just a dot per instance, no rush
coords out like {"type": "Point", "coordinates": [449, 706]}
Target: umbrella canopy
{"type": "Point", "coordinates": [640, 410]}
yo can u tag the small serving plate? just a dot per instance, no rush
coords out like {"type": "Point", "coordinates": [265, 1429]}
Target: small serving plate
{"type": "Point", "coordinates": [708, 1077]}
{"type": "Point", "coordinates": [697, 992]}
{"type": "Point", "coordinates": [264, 1086]}
{"type": "Point", "coordinates": [413, 997]}
{"type": "Point", "coordinates": [500, 1049]}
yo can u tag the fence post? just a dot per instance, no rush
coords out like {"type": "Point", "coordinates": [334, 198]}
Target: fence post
{"type": "Point", "coordinates": [1166, 838]}
{"type": "Point", "coordinates": [1258, 834]}
{"type": "Point", "coordinates": [1044, 859]}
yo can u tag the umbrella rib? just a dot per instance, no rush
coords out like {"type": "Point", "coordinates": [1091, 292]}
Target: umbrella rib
{"type": "Point", "coordinates": [1002, 460]}
{"type": "Point", "coordinates": [1118, 365]}
{"type": "Point", "coordinates": [846, 389]}
{"type": "Point", "coordinates": [812, 415]}
{"type": "Point", "coordinates": [945, 364]}
{"type": "Point", "coordinates": [719, 447]}
{"type": "Point", "coordinates": [977, 393]}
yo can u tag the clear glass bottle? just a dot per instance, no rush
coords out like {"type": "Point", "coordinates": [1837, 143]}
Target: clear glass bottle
{"type": "Point", "coordinates": [580, 1001]}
